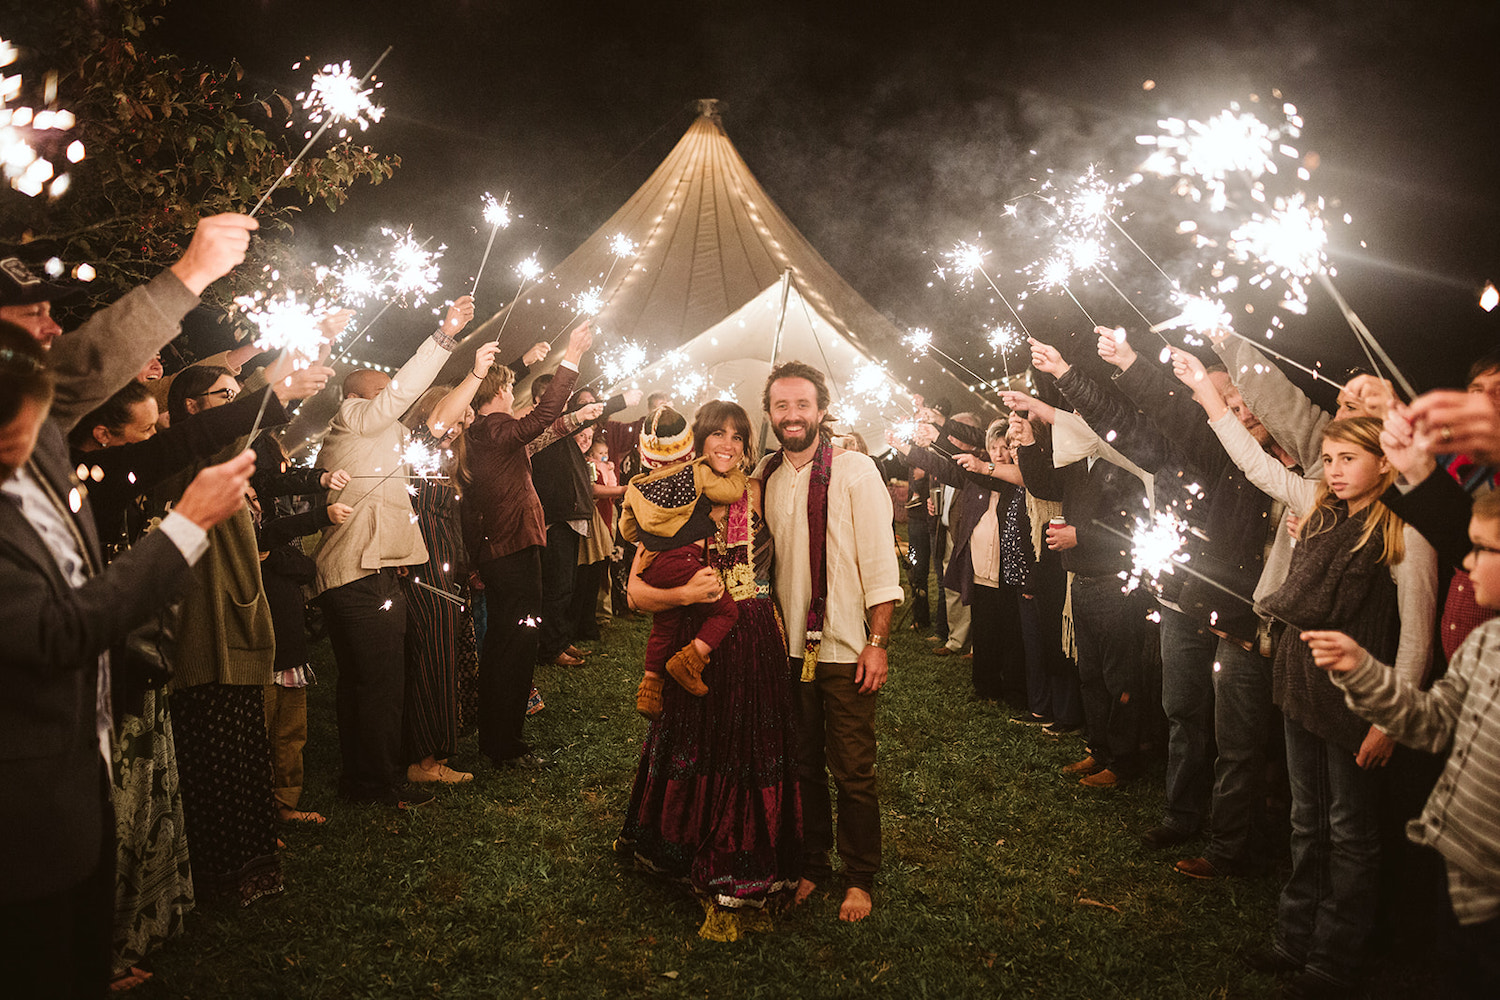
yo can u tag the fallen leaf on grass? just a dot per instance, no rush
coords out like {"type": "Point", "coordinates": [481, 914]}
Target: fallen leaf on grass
{"type": "Point", "coordinates": [1094, 902]}
{"type": "Point", "coordinates": [669, 975]}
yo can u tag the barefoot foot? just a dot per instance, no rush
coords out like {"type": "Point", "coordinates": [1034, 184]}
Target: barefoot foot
{"type": "Point", "coordinates": [804, 889]}
{"type": "Point", "coordinates": [857, 906]}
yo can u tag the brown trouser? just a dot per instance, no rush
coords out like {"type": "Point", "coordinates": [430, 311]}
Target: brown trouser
{"type": "Point", "coordinates": [836, 736]}
{"type": "Point", "coordinates": [286, 725]}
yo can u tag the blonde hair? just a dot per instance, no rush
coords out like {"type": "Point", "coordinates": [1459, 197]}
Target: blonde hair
{"type": "Point", "coordinates": [1362, 433]}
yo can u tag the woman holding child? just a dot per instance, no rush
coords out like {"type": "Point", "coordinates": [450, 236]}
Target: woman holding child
{"type": "Point", "coordinates": [715, 800]}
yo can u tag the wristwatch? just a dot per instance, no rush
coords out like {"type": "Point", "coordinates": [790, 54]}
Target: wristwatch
{"type": "Point", "coordinates": [879, 641]}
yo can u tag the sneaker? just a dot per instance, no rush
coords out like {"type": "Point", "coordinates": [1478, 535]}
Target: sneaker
{"type": "Point", "coordinates": [1197, 868]}
{"type": "Point", "coordinates": [1086, 766]}
{"type": "Point", "coordinates": [1159, 838]}
{"type": "Point", "coordinates": [1027, 719]}
{"type": "Point", "coordinates": [442, 774]}
{"type": "Point", "coordinates": [1099, 779]}
{"type": "Point", "coordinates": [1056, 729]}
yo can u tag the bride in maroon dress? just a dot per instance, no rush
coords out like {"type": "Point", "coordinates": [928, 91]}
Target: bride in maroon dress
{"type": "Point", "coordinates": [715, 801]}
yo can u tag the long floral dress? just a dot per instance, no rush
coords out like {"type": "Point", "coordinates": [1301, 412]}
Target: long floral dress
{"type": "Point", "coordinates": [715, 801]}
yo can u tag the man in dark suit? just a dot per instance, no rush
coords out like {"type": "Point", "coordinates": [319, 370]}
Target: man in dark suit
{"type": "Point", "coordinates": [63, 610]}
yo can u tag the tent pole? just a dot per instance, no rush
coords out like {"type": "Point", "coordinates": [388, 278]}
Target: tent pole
{"type": "Point", "coordinates": [786, 290]}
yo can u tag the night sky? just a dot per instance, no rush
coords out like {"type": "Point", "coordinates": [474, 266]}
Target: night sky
{"type": "Point", "coordinates": [886, 132]}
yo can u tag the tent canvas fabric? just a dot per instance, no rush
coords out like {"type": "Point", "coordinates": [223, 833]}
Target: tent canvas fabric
{"type": "Point", "coordinates": [731, 359]}
{"type": "Point", "coordinates": [709, 241]}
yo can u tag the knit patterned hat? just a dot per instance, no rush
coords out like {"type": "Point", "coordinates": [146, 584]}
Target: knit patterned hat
{"type": "Point", "coordinates": [665, 438]}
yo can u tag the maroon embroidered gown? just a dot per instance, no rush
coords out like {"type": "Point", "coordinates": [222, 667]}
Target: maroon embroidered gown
{"type": "Point", "coordinates": [715, 800]}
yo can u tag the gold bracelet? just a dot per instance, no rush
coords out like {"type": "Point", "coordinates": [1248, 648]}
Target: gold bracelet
{"type": "Point", "coordinates": [879, 641]}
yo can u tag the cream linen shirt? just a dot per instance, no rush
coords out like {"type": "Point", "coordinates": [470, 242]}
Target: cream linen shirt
{"type": "Point", "coordinates": [861, 550]}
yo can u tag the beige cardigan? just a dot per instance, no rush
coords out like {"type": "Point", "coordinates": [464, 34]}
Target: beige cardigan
{"type": "Point", "coordinates": [366, 439]}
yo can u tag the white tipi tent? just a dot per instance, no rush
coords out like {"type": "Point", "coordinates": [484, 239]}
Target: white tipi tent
{"type": "Point", "coordinates": [709, 241]}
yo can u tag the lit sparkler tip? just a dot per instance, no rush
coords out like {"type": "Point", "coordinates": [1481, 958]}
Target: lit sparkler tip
{"type": "Point", "coordinates": [622, 362]}
{"type": "Point", "coordinates": [918, 341]}
{"type": "Point", "coordinates": [496, 213]}
{"type": "Point", "coordinates": [622, 246]}
{"type": "Point", "coordinates": [335, 96]}
{"type": "Point", "coordinates": [1489, 298]}
{"type": "Point", "coordinates": [284, 324]}
{"type": "Point", "coordinates": [964, 259]}
{"type": "Point", "coordinates": [869, 379]}
{"type": "Point", "coordinates": [1156, 545]}
{"type": "Point", "coordinates": [1001, 336]}
{"type": "Point", "coordinates": [589, 302]}
{"type": "Point", "coordinates": [414, 270]}
{"type": "Point", "coordinates": [529, 269]}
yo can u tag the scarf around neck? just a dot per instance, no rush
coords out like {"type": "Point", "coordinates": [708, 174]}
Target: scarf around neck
{"type": "Point", "coordinates": [817, 546]}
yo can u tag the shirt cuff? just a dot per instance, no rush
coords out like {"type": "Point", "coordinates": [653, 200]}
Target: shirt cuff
{"type": "Point", "coordinates": [565, 363]}
{"type": "Point", "coordinates": [444, 341]}
{"type": "Point", "coordinates": [883, 595]}
{"type": "Point", "coordinates": [191, 540]}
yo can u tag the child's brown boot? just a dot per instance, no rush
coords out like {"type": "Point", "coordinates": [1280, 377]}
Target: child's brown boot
{"type": "Point", "coordinates": [686, 668]}
{"type": "Point", "coordinates": [648, 696]}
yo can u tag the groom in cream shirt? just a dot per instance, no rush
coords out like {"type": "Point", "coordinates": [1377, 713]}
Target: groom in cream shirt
{"type": "Point", "coordinates": [843, 664]}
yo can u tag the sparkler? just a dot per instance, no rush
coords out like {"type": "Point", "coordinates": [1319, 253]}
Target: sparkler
{"type": "Point", "coordinates": [1206, 154]}
{"type": "Point", "coordinates": [334, 96]}
{"type": "Point", "coordinates": [528, 270]}
{"type": "Point", "coordinates": [1489, 298]}
{"type": "Point", "coordinates": [497, 214]}
{"type": "Point", "coordinates": [1054, 272]}
{"type": "Point", "coordinates": [620, 363]}
{"type": "Point", "coordinates": [28, 171]}
{"type": "Point", "coordinates": [1183, 565]}
{"type": "Point", "coordinates": [410, 277]}
{"type": "Point", "coordinates": [455, 598]}
{"type": "Point", "coordinates": [967, 260]}
{"type": "Point", "coordinates": [588, 302]}
{"type": "Point", "coordinates": [286, 325]}
{"type": "Point", "coordinates": [919, 342]}
{"type": "Point", "coordinates": [1156, 547]}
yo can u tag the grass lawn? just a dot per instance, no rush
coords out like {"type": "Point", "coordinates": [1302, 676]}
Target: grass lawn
{"type": "Point", "coordinates": [1001, 877]}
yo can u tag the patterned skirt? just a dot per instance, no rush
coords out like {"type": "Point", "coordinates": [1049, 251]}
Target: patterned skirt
{"type": "Point", "coordinates": [715, 801]}
{"type": "Point", "coordinates": [153, 881]}
{"type": "Point", "coordinates": [224, 758]}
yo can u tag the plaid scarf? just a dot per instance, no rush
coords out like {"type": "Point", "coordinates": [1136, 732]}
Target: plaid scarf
{"type": "Point", "coordinates": [817, 546]}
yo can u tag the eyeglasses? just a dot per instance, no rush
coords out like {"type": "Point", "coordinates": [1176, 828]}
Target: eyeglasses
{"type": "Point", "coordinates": [1478, 549]}
{"type": "Point", "coordinates": [227, 395]}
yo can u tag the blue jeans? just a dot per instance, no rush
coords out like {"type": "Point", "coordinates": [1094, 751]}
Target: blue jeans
{"type": "Point", "coordinates": [1327, 907]}
{"type": "Point", "coordinates": [1243, 721]}
{"type": "Point", "coordinates": [1187, 697]}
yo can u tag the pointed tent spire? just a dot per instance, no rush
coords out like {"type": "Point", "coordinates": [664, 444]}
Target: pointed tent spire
{"type": "Point", "coordinates": [708, 240]}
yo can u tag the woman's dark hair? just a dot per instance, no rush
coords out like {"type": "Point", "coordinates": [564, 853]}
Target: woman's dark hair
{"type": "Point", "coordinates": [189, 383]}
{"type": "Point", "coordinates": [718, 414]}
{"type": "Point", "coordinates": [23, 371]}
{"type": "Point", "coordinates": [576, 400]}
{"type": "Point", "coordinates": [113, 414]}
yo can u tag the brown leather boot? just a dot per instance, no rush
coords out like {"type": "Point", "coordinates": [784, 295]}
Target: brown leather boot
{"type": "Point", "coordinates": [648, 696]}
{"type": "Point", "coordinates": [686, 668]}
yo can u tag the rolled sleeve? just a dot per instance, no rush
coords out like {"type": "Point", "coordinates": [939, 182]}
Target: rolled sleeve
{"type": "Point", "coordinates": [191, 540]}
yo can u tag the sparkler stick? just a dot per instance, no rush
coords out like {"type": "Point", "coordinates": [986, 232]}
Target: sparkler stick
{"type": "Point", "coordinates": [439, 591]}
{"type": "Point", "coordinates": [920, 342]}
{"type": "Point", "coordinates": [528, 269]}
{"type": "Point", "coordinates": [1362, 332]}
{"type": "Point", "coordinates": [1126, 299]}
{"type": "Point", "coordinates": [498, 218]}
{"type": "Point", "coordinates": [332, 116]}
{"type": "Point", "coordinates": [419, 276]}
{"type": "Point", "coordinates": [620, 247]}
{"type": "Point", "coordinates": [1208, 580]}
{"type": "Point", "coordinates": [1282, 357]}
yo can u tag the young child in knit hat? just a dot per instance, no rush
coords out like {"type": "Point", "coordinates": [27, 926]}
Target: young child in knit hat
{"type": "Point", "coordinates": [671, 512]}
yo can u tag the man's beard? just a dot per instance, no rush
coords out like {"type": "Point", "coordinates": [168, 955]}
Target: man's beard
{"type": "Point", "coordinates": [800, 443]}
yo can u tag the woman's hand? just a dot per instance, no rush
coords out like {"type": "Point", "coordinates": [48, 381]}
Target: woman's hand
{"type": "Point", "coordinates": [338, 513]}
{"type": "Point", "coordinates": [335, 480]}
{"type": "Point", "coordinates": [1114, 348]}
{"type": "Point", "coordinates": [973, 463]}
{"type": "Point", "coordinates": [1045, 358]}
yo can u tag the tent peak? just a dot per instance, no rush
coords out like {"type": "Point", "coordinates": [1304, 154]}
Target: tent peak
{"type": "Point", "coordinates": [708, 107]}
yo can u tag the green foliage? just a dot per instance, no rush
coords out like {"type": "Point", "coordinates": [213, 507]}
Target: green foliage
{"type": "Point", "coordinates": [167, 142]}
